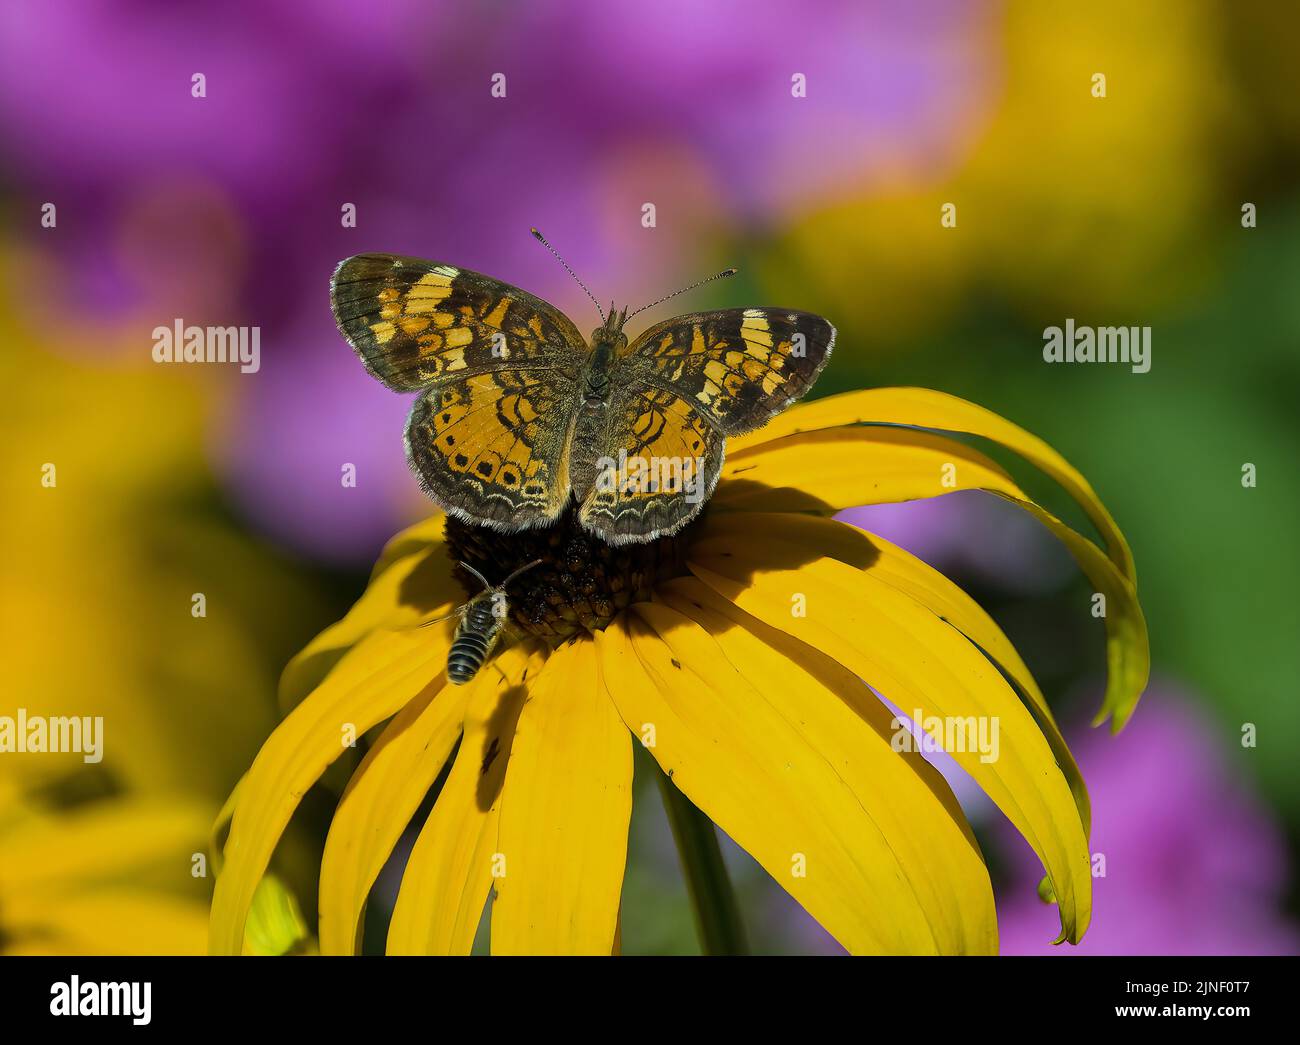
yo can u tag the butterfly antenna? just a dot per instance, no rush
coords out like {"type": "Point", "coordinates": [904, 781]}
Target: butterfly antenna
{"type": "Point", "coordinates": [542, 240]}
{"type": "Point", "coordinates": [528, 566]}
{"type": "Point", "coordinates": [721, 275]}
{"type": "Point", "coordinates": [482, 580]}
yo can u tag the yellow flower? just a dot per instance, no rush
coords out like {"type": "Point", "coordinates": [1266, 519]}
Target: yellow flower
{"type": "Point", "coordinates": [99, 878]}
{"type": "Point", "coordinates": [737, 653]}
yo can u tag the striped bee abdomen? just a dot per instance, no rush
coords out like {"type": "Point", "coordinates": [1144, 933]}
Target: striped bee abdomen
{"type": "Point", "coordinates": [475, 637]}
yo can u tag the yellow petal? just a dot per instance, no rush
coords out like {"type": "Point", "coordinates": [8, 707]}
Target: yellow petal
{"type": "Point", "coordinates": [772, 753]}
{"type": "Point", "coordinates": [378, 803]}
{"type": "Point", "coordinates": [911, 656]}
{"type": "Point", "coordinates": [414, 539]}
{"type": "Point", "coordinates": [846, 467]}
{"type": "Point", "coordinates": [374, 680]}
{"type": "Point", "coordinates": [101, 842]}
{"type": "Point", "coordinates": [109, 922]}
{"type": "Point", "coordinates": [926, 585]}
{"type": "Point", "coordinates": [562, 834]}
{"type": "Point", "coordinates": [836, 715]}
{"type": "Point", "coordinates": [926, 408]}
{"type": "Point", "coordinates": [411, 582]}
{"type": "Point", "coordinates": [827, 471]}
{"type": "Point", "coordinates": [449, 873]}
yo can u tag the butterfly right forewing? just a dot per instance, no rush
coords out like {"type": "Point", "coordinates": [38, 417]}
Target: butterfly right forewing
{"type": "Point", "coordinates": [415, 323]}
{"type": "Point", "coordinates": [495, 366]}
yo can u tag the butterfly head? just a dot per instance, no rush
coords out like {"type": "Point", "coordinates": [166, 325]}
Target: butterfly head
{"type": "Point", "coordinates": [611, 331]}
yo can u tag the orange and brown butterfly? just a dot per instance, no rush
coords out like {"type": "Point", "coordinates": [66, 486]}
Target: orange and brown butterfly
{"type": "Point", "coordinates": [519, 416]}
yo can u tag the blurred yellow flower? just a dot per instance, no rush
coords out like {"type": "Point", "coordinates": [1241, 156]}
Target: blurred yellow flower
{"type": "Point", "coordinates": [735, 652]}
{"type": "Point", "coordinates": [104, 484]}
{"type": "Point", "coordinates": [105, 877]}
{"type": "Point", "coordinates": [1064, 202]}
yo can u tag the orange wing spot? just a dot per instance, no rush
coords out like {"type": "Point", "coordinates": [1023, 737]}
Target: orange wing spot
{"type": "Point", "coordinates": [436, 282]}
{"type": "Point", "coordinates": [518, 410]}
{"type": "Point", "coordinates": [424, 304]}
{"type": "Point", "coordinates": [449, 415]}
{"type": "Point", "coordinates": [650, 421]}
{"type": "Point", "coordinates": [413, 325]}
{"type": "Point", "coordinates": [521, 454]}
{"type": "Point", "coordinates": [497, 317]}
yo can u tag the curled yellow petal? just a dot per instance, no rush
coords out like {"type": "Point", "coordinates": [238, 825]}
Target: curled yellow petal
{"type": "Point", "coordinates": [926, 668]}
{"type": "Point", "coordinates": [927, 586]}
{"type": "Point", "coordinates": [843, 467]}
{"type": "Point", "coordinates": [926, 408]}
{"type": "Point", "coordinates": [827, 471]}
{"type": "Point", "coordinates": [370, 683]}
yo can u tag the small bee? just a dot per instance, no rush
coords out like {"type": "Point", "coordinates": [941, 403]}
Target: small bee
{"type": "Point", "coordinates": [482, 620]}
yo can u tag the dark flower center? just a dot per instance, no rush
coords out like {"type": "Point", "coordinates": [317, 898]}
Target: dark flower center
{"type": "Point", "coordinates": [580, 585]}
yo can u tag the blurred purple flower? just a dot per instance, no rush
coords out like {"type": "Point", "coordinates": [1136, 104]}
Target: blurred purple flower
{"type": "Point", "coordinates": [974, 535]}
{"type": "Point", "coordinates": [298, 426]}
{"type": "Point", "coordinates": [608, 106]}
{"type": "Point", "coordinates": [1195, 862]}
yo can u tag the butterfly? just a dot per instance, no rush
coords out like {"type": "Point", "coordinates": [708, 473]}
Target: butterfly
{"type": "Point", "coordinates": [519, 417]}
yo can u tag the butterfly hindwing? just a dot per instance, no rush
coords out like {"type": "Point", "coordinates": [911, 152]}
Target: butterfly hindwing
{"type": "Point", "coordinates": [658, 461]}
{"type": "Point", "coordinates": [416, 323]}
{"type": "Point", "coordinates": [492, 447]}
{"type": "Point", "coordinates": [738, 367]}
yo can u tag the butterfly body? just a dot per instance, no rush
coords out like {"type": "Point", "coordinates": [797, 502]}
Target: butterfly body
{"type": "Point", "coordinates": [519, 415]}
{"type": "Point", "coordinates": [597, 372]}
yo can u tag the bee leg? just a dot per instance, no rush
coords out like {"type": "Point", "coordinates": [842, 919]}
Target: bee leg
{"type": "Point", "coordinates": [459, 611]}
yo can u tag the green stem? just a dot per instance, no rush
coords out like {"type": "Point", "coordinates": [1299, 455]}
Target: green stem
{"type": "Point", "coordinates": [717, 915]}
